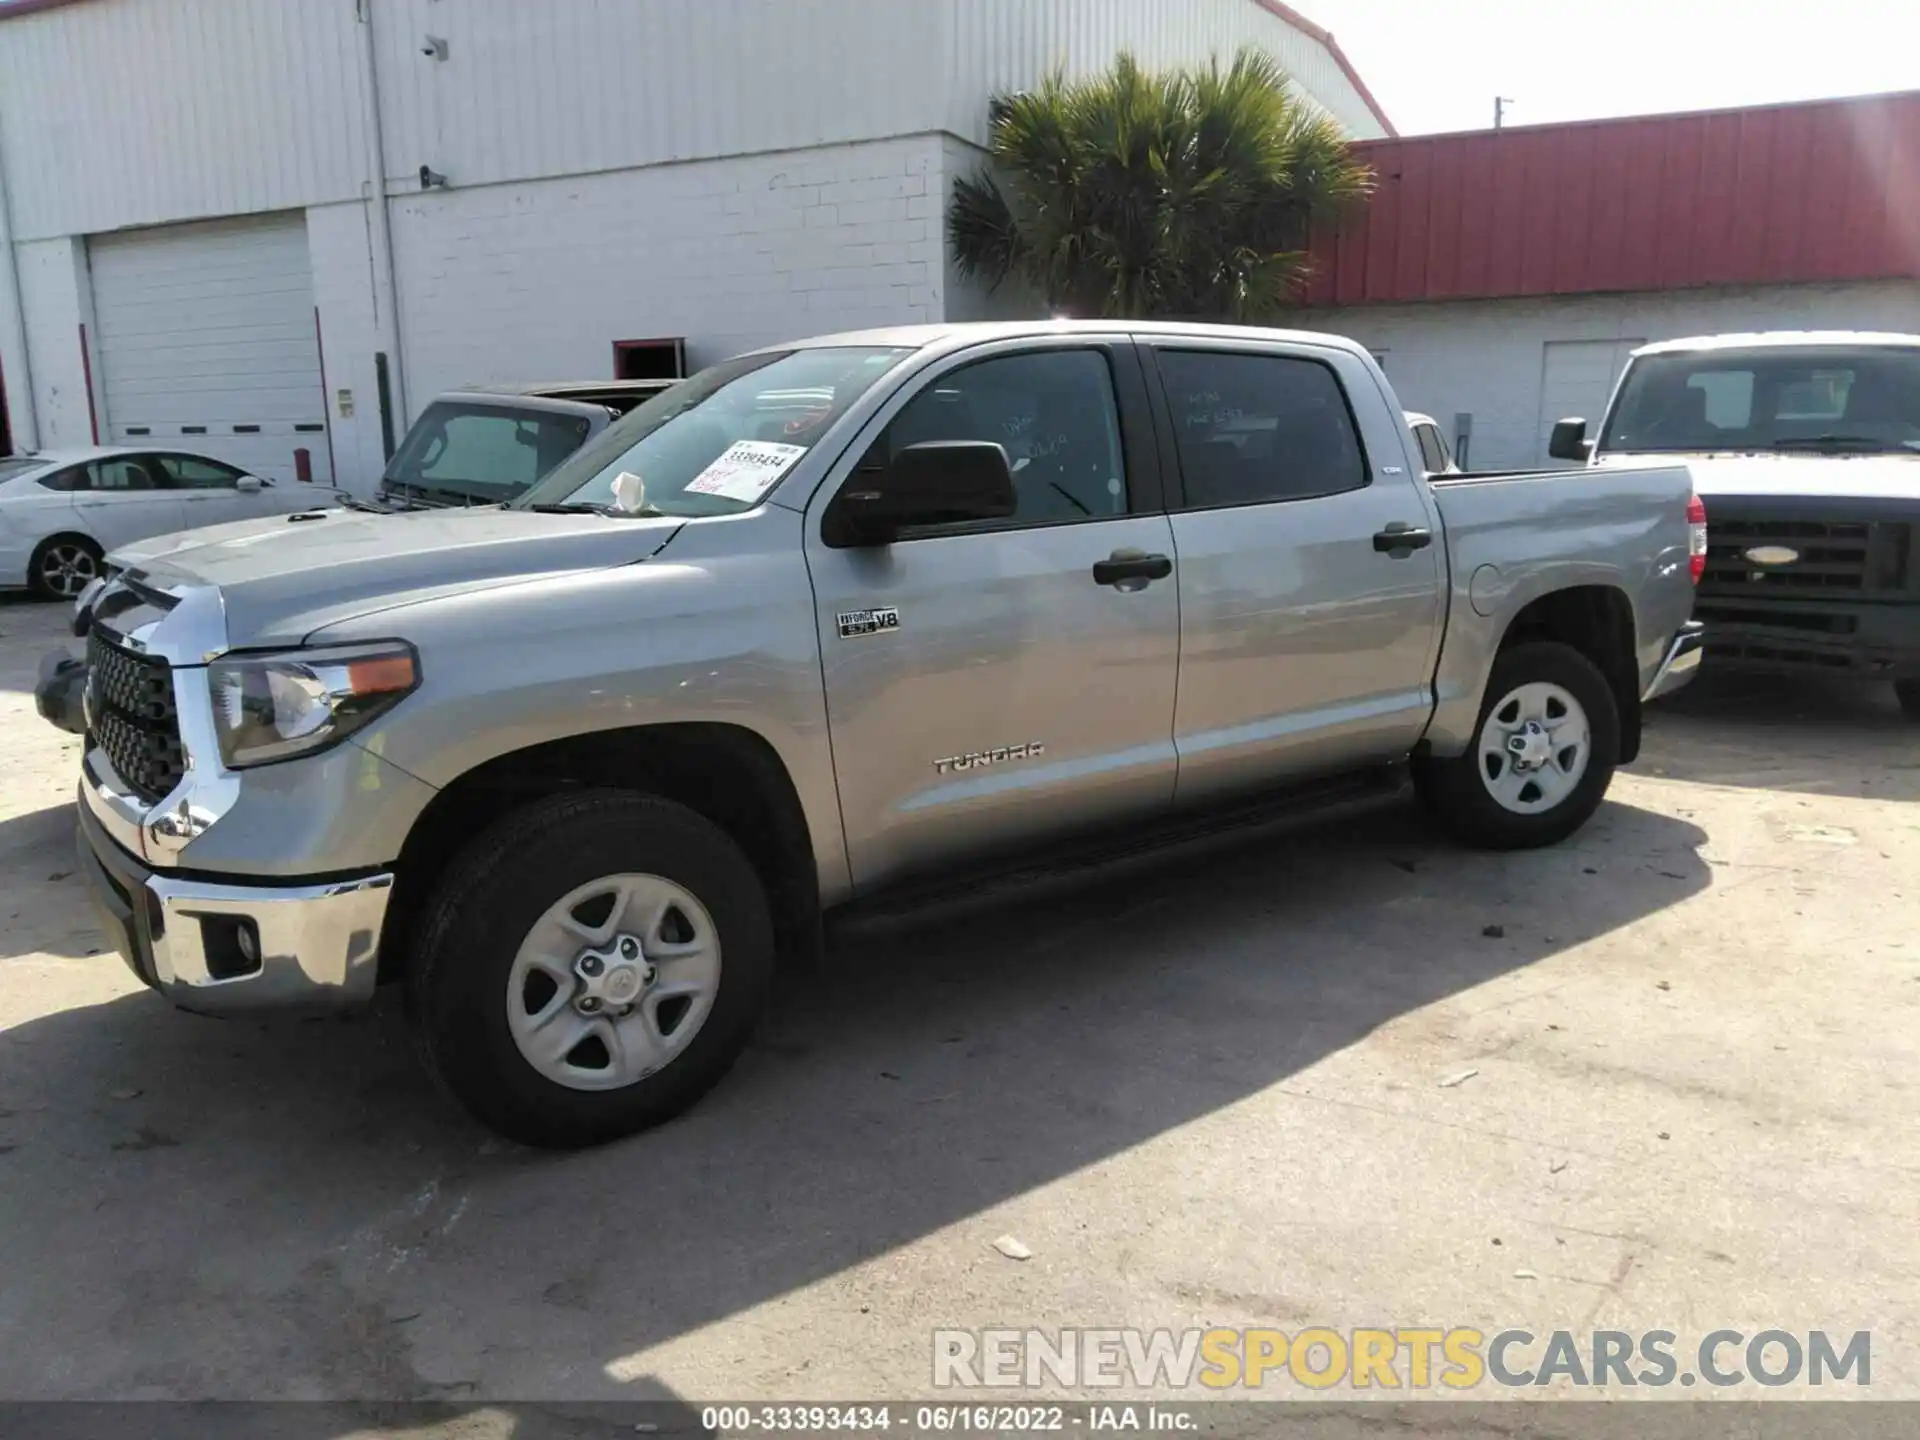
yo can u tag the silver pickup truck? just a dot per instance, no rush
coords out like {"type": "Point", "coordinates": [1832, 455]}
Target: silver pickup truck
{"type": "Point", "coordinates": [847, 623]}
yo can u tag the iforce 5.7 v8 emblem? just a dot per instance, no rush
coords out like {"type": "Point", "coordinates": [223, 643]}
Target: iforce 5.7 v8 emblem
{"type": "Point", "coordinates": [868, 622]}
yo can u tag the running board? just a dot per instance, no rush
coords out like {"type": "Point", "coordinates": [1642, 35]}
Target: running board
{"type": "Point", "coordinates": [1156, 841]}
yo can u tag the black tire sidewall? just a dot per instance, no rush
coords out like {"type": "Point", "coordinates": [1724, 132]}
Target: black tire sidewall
{"type": "Point", "coordinates": [1460, 795]}
{"type": "Point", "coordinates": [483, 911]}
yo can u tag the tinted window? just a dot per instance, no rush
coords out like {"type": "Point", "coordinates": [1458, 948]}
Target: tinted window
{"type": "Point", "coordinates": [1052, 411]}
{"type": "Point", "coordinates": [119, 474]}
{"type": "Point", "coordinates": [74, 477]}
{"type": "Point", "coordinates": [716, 444]}
{"type": "Point", "coordinates": [1257, 428]}
{"type": "Point", "coordinates": [189, 472]}
{"type": "Point", "coordinates": [1779, 396]}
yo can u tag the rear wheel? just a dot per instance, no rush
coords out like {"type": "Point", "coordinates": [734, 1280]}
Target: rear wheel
{"type": "Point", "coordinates": [1908, 692]}
{"type": "Point", "coordinates": [591, 967]}
{"type": "Point", "coordinates": [64, 566]}
{"type": "Point", "coordinates": [1542, 755]}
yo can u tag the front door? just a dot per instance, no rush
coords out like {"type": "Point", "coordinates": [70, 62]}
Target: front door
{"type": "Point", "coordinates": [1306, 647]}
{"type": "Point", "coordinates": [209, 491]}
{"type": "Point", "coordinates": [994, 686]}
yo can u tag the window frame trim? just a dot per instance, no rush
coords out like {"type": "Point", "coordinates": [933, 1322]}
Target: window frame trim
{"type": "Point", "coordinates": [1139, 447]}
{"type": "Point", "coordinates": [1328, 358]}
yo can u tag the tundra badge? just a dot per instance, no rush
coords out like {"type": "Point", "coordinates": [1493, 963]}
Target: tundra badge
{"type": "Point", "coordinates": [975, 759]}
{"type": "Point", "coordinates": [868, 622]}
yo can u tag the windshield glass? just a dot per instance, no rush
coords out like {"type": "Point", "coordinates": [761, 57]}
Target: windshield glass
{"type": "Point", "coordinates": [482, 454]}
{"type": "Point", "coordinates": [715, 444]}
{"type": "Point", "coordinates": [1817, 398]}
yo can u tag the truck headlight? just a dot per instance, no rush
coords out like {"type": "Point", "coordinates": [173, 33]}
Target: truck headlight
{"type": "Point", "coordinates": [273, 707]}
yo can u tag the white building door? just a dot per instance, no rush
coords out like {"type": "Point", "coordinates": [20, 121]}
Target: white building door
{"type": "Point", "coordinates": [207, 342]}
{"type": "Point", "coordinates": [1576, 378]}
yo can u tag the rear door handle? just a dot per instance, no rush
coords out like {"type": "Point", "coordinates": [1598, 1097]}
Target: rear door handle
{"type": "Point", "coordinates": [1400, 540]}
{"type": "Point", "coordinates": [1124, 566]}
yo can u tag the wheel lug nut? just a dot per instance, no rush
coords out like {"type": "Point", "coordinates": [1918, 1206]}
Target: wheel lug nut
{"type": "Point", "coordinates": [589, 1003]}
{"type": "Point", "coordinates": [648, 974]}
{"type": "Point", "coordinates": [591, 965]}
{"type": "Point", "coordinates": [629, 949]}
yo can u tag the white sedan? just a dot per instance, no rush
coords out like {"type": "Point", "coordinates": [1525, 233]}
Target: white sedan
{"type": "Point", "coordinates": [62, 511]}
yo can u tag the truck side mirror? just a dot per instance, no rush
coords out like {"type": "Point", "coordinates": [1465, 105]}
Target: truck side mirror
{"type": "Point", "coordinates": [937, 482]}
{"type": "Point", "coordinates": [1569, 440]}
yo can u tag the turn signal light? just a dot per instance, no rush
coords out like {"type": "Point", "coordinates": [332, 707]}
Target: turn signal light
{"type": "Point", "coordinates": [1696, 537]}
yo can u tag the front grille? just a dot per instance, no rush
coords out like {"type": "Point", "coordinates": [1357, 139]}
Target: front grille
{"type": "Point", "coordinates": [1835, 557]}
{"type": "Point", "coordinates": [131, 716]}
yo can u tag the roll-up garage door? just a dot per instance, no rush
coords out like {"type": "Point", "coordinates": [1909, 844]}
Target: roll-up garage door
{"type": "Point", "coordinates": [207, 342]}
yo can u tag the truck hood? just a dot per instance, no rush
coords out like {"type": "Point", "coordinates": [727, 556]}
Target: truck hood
{"type": "Point", "coordinates": [282, 578]}
{"type": "Point", "coordinates": [1849, 477]}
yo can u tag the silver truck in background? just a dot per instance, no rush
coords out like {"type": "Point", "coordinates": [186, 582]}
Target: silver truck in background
{"type": "Point", "coordinates": [843, 624]}
{"type": "Point", "coordinates": [1805, 446]}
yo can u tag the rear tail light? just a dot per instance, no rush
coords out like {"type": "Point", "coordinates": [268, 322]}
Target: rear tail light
{"type": "Point", "coordinates": [1696, 537]}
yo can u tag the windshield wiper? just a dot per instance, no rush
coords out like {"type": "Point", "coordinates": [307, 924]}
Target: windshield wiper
{"type": "Point", "coordinates": [1861, 443]}
{"type": "Point", "coordinates": [588, 507]}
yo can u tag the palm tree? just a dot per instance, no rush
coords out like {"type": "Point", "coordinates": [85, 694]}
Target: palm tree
{"type": "Point", "coordinates": [1186, 194]}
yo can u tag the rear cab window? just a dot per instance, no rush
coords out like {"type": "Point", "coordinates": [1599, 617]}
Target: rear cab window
{"type": "Point", "coordinates": [482, 454]}
{"type": "Point", "coordinates": [1253, 429]}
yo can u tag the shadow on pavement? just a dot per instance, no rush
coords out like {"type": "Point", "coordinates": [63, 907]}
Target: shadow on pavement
{"type": "Point", "coordinates": [233, 1209]}
{"type": "Point", "coordinates": [1813, 735]}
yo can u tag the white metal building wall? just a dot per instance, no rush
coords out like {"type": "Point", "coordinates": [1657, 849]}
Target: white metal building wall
{"type": "Point", "coordinates": [1488, 358]}
{"type": "Point", "coordinates": [207, 342]}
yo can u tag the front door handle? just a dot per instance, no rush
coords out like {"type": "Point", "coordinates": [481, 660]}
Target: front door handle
{"type": "Point", "coordinates": [1400, 540]}
{"type": "Point", "coordinates": [1131, 569]}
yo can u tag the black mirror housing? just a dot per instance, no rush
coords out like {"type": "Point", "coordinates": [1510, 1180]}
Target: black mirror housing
{"type": "Point", "coordinates": [937, 482]}
{"type": "Point", "coordinates": [1569, 440]}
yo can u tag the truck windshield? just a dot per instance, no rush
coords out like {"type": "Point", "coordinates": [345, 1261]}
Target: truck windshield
{"type": "Point", "coordinates": [716, 444]}
{"type": "Point", "coordinates": [477, 454]}
{"type": "Point", "coordinates": [1819, 399]}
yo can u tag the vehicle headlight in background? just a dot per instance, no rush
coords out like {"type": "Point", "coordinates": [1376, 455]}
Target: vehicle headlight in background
{"type": "Point", "coordinates": [268, 708]}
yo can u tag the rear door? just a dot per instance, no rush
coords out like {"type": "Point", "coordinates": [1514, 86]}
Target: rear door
{"type": "Point", "coordinates": [1307, 637]}
{"type": "Point", "coordinates": [123, 498]}
{"type": "Point", "coordinates": [991, 686]}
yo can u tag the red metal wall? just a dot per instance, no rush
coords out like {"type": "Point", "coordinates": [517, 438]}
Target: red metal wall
{"type": "Point", "coordinates": [1822, 191]}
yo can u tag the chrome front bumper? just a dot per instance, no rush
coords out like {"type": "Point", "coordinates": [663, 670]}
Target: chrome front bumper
{"type": "Point", "coordinates": [314, 947]}
{"type": "Point", "coordinates": [1682, 662]}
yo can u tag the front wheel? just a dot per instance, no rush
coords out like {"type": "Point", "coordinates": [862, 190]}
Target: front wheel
{"type": "Point", "coordinates": [1542, 756]}
{"type": "Point", "coordinates": [1908, 693]}
{"type": "Point", "coordinates": [591, 967]}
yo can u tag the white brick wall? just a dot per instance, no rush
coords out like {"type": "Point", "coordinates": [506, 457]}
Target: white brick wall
{"type": "Point", "coordinates": [1486, 357]}
{"type": "Point", "coordinates": [54, 303]}
{"type": "Point", "coordinates": [535, 281]}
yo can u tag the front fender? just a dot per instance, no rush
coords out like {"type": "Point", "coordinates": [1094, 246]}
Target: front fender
{"type": "Point", "coordinates": [718, 627]}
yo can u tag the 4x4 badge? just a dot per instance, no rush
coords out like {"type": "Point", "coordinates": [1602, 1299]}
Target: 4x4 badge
{"type": "Point", "coordinates": [868, 622]}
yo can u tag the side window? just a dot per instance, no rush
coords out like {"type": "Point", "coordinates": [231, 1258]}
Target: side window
{"type": "Point", "coordinates": [1055, 414]}
{"type": "Point", "coordinates": [1433, 456]}
{"type": "Point", "coordinates": [74, 477]}
{"type": "Point", "coordinates": [1252, 429]}
{"type": "Point", "coordinates": [120, 475]}
{"type": "Point", "coordinates": [189, 472]}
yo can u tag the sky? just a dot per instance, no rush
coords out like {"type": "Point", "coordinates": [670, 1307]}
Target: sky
{"type": "Point", "coordinates": [1436, 65]}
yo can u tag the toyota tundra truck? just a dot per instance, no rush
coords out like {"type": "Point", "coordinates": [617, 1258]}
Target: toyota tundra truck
{"type": "Point", "coordinates": [1806, 449]}
{"type": "Point", "coordinates": [857, 622]}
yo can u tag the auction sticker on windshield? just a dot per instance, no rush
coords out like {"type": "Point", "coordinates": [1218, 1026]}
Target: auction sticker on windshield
{"type": "Point", "coordinates": [746, 471]}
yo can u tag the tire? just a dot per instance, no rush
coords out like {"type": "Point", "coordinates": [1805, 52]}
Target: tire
{"type": "Point", "coordinates": [1908, 693]}
{"type": "Point", "coordinates": [1460, 791]}
{"type": "Point", "coordinates": [62, 565]}
{"type": "Point", "coordinates": [473, 951]}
